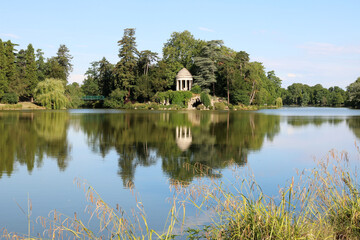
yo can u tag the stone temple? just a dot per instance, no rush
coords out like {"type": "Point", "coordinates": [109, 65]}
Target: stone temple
{"type": "Point", "coordinates": [184, 80]}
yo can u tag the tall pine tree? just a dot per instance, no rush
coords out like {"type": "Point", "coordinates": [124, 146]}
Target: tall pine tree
{"type": "Point", "coordinates": [64, 59]}
{"type": "Point", "coordinates": [30, 71]}
{"type": "Point", "coordinates": [206, 65]}
{"type": "Point", "coordinates": [20, 84]}
{"type": "Point", "coordinates": [125, 69]}
{"type": "Point", "coordinates": [10, 65]}
{"type": "Point", "coordinates": [40, 65]}
{"type": "Point", "coordinates": [105, 77]}
{"type": "Point", "coordinates": [3, 79]}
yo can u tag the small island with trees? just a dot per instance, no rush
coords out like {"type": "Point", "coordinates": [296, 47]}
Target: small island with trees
{"type": "Point", "coordinates": [217, 77]}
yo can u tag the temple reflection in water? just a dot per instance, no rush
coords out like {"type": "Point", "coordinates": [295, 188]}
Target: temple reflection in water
{"type": "Point", "coordinates": [177, 139]}
{"type": "Point", "coordinates": [183, 137]}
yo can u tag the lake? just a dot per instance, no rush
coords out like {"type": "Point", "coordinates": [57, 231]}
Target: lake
{"type": "Point", "coordinates": [42, 152]}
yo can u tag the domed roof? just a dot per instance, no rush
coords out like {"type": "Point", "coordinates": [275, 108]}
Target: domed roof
{"type": "Point", "coordinates": [184, 73]}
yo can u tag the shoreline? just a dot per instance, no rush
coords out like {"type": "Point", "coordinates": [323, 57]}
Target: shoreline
{"type": "Point", "coordinates": [21, 106]}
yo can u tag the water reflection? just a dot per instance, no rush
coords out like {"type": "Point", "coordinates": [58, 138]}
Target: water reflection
{"type": "Point", "coordinates": [178, 139]}
{"type": "Point", "coordinates": [183, 137]}
{"type": "Point", "coordinates": [28, 136]}
{"type": "Point", "coordinates": [316, 121]}
{"type": "Point", "coordinates": [354, 125]}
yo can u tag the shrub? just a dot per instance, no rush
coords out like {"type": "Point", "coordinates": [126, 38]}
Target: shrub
{"type": "Point", "coordinates": [160, 97]}
{"type": "Point", "coordinates": [116, 99]}
{"type": "Point", "coordinates": [231, 107]}
{"type": "Point", "coordinates": [196, 89]}
{"type": "Point", "coordinates": [205, 99]}
{"type": "Point", "coordinates": [180, 98]}
{"type": "Point", "coordinates": [153, 106]}
{"type": "Point", "coordinates": [200, 107]}
{"type": "Point", "coordinates": [279, 102]}
{"type": "Point", "coordinates": [220, 106]}
{"type": "Point", "coordinates": [10, 98]}
{"type": "Point", "coordinates": [128, 105]}
{"type": "Point", "coordinates": [138, 105]}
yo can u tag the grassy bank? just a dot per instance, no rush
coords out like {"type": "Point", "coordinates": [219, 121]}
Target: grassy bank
{"type": "Point", "coordinates": [20, 106]}
{"type": "Point", "coordinates": [319, 203]}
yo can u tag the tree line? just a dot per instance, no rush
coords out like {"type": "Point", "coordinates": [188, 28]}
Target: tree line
{"type": "Point", "coordinates": [22, 70]}
{"type": "Point", "coordinates": [142, 76]}
{"type": "Point", "coordinates": [217, 70]}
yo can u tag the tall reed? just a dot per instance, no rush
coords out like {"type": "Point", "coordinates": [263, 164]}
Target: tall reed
{"type": "Point", "coordinates": [320, 203]}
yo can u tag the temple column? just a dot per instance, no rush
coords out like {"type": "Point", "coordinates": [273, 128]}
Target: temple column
{"type": "Point", "coordinates": [177, 85]}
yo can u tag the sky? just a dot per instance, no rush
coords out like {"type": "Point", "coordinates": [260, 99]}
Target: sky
{"type": "Point", "coordinates": [307, 42]}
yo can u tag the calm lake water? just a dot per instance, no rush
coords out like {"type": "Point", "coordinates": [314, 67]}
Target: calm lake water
{"type": "Point", "coordinates": [41, 152]}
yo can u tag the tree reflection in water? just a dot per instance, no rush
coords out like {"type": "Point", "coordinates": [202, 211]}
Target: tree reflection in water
{"type": "Point", "coordinates": [27, 136]}
{"type": "Point", "coordinates": [178, 139]}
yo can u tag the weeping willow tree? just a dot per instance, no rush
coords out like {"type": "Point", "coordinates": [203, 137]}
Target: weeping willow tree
{"type": "Point", "coordinates": [51, 94]}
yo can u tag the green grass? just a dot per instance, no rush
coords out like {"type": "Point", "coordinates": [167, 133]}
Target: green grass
{"type": "Point", "coordinates": [10, 106]}
{"type": "Point", "coordinates": [319, 203]}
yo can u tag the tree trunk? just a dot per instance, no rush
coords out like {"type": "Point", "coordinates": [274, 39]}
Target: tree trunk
{"type": "Point", "coordinates": [228, 91]}
{"type": "Point", "coordinates": [252, 95]}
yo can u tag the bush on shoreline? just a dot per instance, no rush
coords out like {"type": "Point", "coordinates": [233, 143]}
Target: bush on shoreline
{"type": "Point", "coordinates": [10, 98]}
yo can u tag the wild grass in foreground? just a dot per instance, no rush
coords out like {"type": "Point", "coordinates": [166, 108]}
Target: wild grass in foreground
{"type": "Point", "coordinates": [320, 203]}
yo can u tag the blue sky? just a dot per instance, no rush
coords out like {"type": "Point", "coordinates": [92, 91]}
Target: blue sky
{"type": "Point", "coordinates": [303, 41]}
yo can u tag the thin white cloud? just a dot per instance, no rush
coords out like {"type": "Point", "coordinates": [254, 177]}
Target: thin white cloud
{"type": "Point", "coordinates": [206, 29]}
{"type": "Point", "coordinates": [318, 48]}
{"type": "Point", "coordinates": [10, 35]}
{"type": "Point", "coordinates": [312, 70]}
{"type": "Point", "coordinates": [79, 78]}
{"type": "Point", "coordinates": [291, 75]}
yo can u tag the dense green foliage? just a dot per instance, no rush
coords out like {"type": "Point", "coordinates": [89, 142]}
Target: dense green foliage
{"type": "Point", "coordinates": [10, 98]}
{"type": "Point", "coordinates": [180, 98]}
{"type": "Point", "coordinates": [206, 65]}
{"type": "Point", "coordinates": [74, 94]}
{"type": "Point", "coordinates": [354, 93]}
{"type": "Point", "coordinates": [50, 93]}
{"type": "Point", "coordinates": [196, 89]}
{"type": "Point", "coordinates": [303, 95]}
{"type": "Point", "coordinates": [216, 69]}
{"type": "Point", "coordinates": [22, 70]}
{"type": "Point", "coordinates": [116, 99]}
{"type": "Point", "coordinates": [205, 99]}
{"type": "Point", "coordinates": [279, 102]}
{"type": "Point", "coordinates": [219, 106]}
